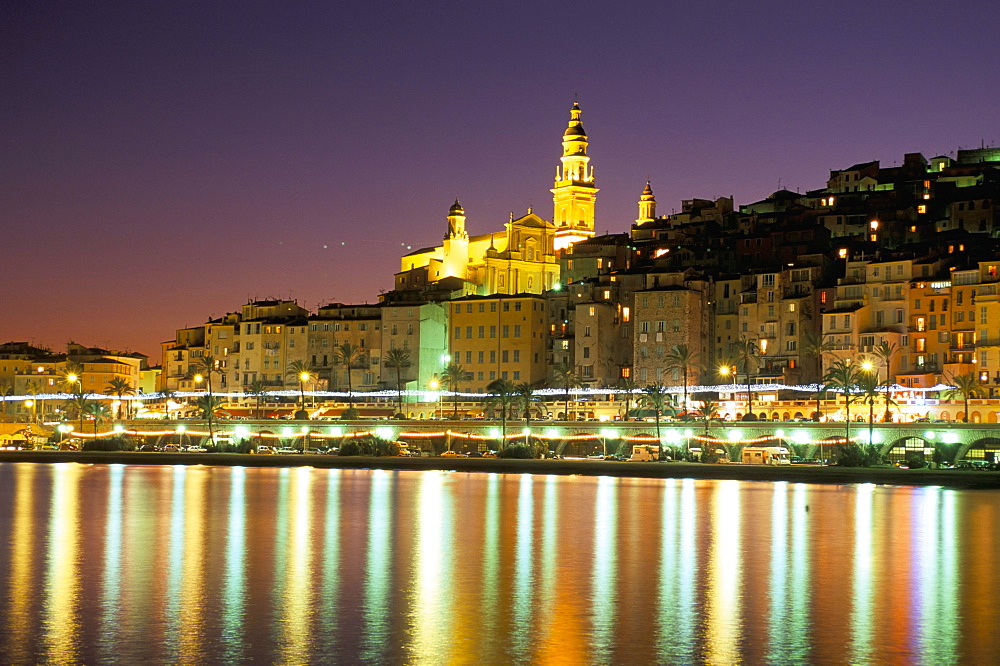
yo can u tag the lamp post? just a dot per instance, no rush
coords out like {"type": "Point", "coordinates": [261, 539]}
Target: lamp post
{"type": "Point", "coordinates": [303, 378]}
{"type": "Point", "coordinates": [30, 404]}
{"type": "Point", "coordinates": [725, 371]}
{"type": "Point", "coordinates": [435, 385]}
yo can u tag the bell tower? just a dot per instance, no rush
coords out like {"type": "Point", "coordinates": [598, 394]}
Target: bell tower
{"type": "Point", "coordinates": [456, 244]}
{"type": "Point", "coordinates": [647, 206]}
{"type": "Point", "coordinates": [574, 194]}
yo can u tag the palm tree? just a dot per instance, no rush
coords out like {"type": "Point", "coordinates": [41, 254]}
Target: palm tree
{"type": "Point", "coordinates": [747, 354]}
{"type": "Point", "coordinates": [684, 360]}
{"type": "Point", "coordinates": [965, 386]}
{"type": "Point", "coordinates": [869, 384]}
{"type": "Point", "coordinates": [78, 404]}
{"type": "Point", "coordinates": [347, 354]}
{"type": "Point", "coordinates": [205, 367]}
{"type": "Point", "coordinates": [97, 411]}
{"type": "Point", "coordinates": [843, 376]}
{"type": "Point", "coordinates": [524, 395]}
{"type": "Point", "coordinates": [502, 395]}
{"type": "Point", "coordinates": [119, 387]}
{"type": "Point", "coordinates": [398, 359]}
{"type": "Point", "coordinates": [299, 369]}
{"type": "Point", "coordinates": [656, 398]}
{"type": "Point", "coordinates": [452, 376]}
{"type": "Point", "coordinates": [628, 385]}
{"type": "Point", "coordinates": [5, 390]}
{"type": "Point", "coordinates": [816, 345]}
{"type": "Point", "coordinates": [884, 351]}
{"type": "Point", "coordinates": [208, 404]}
{"type": "Point", "coordinates": [709, 410]}
{"type": "Point", "coordinates": [564, 377]}
{"type": "Point", "coordinates": [256, 389]}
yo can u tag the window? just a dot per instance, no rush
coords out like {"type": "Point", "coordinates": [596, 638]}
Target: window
{"type": "Point", "coordinates": [458, 332]}
{"type": "Point", "coordinates": [481, 357]}
{"type": "Point", "coordinates": [493, 356]}
{"type": "Point", "coordinates": [517, 306]}
{"type": "Point", "coordinates": [504, 356]}
{"type": "Point", "coordinates": [517, 330]}
{"type": "Point", "coordinates": [586, 352]}
{"type": "Point", "coordinates": [468, 357]}
{"type": "Point", "coordinates": [517, 356]}
{"type": "Point", "coordinates": [505, 333]}
{"type": "Point", "coordinates": [482, 331]}
{"type": "Point", "coordinates": [468, 332]}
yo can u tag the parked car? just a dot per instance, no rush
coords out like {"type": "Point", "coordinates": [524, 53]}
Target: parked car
{"type": "Point", "coordinates": [286, 451]}
{"type": "Point", "coordinates": [264, 450]}
{"type": "Point", "coordinates": [452, 454]}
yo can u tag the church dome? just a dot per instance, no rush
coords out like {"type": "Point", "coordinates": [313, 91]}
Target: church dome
{"type": "Point", "coordinates": [456, 209]}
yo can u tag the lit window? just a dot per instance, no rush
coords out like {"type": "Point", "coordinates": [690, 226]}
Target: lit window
{"type": "Point", "coordinates": [922, 208]}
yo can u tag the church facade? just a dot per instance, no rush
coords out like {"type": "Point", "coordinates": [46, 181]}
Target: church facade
{"type": "Point", "coordinates": [523, 257]}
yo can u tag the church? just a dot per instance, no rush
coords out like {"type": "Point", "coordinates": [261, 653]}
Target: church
{"type": "Point", "coordinates": [522, 258]}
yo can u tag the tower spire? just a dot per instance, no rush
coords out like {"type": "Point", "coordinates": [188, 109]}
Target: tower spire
{"type": "Point", "coordinates": [573, 193]}
{"type": "Point", "coordinates": [647, 206]}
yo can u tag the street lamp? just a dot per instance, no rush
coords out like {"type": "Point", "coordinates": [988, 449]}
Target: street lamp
{"type": "Point", "coordinates": [434, 385]}
{"type": "Point", "coordinates": [30, 404]}
{"type": "Point", "coordinates": [303, 378]}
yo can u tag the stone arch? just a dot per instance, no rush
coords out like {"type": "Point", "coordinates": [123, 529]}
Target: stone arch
{"type": "Point", "coordinates": [775, 416]}
{"type": "Point", "coordinates": [896, 450]}
{"type": "Point", "coordinates": [976, 417]}
{"type": "Point", "coordinates": [798, 415]}
{"type": "Point", "coordinates": [984, 448]}
{"type": "Point", "coordinates": [785, 416]}
{"type": "Point", "coordinates": [945, 416]}
{"type": "Point", "coordinates": [991, 417]}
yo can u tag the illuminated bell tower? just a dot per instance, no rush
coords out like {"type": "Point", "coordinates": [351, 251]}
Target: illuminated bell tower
{"type": "Point", "coordinates": [456, 243]}
{"type": "Point", "coordinates": [574, 194]}
{"type": "Point", "coordinates": [647, 206]}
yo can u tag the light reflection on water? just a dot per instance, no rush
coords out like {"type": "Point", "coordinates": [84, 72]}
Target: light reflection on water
{"type": "Point", "coordinates": [194, 564]}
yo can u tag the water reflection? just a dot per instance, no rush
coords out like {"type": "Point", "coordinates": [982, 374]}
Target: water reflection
{"type": "Point", "coordinates": [191, 565]}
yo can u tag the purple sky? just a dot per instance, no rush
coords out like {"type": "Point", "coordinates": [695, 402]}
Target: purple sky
{"type": "Point", "coordinates": [163, 162]}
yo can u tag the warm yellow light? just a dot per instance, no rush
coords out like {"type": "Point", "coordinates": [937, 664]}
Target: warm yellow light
{"type": "Point", "coordinates": [867, 366]}
{"type": "Point", "coordinates": [434, 384]}
{"type": "Point", "coordinates": [304, 376]}
{"type": "Point", "coordinates": [842, 252]}
{"type": "Point", "coordinates": [29, 403]}
{"type": "Point", "coordinates": [874, 225]}
{"type": "Point", "coordinates": [724, 369]}
{"type": "Point", "coordinates": [71, 378]}
{"type": "Point", "coordinates": [198, 379]}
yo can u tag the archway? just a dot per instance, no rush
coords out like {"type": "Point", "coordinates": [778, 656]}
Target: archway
{"type": "Point", "coordinates": [945, 416]}
{"type": "Point", "coordinates": [986, 449]}
{"type": "Point", "coordinates": [976, 417]}
{"type": "Point", "coordinates": [991, 417]}
{"type": "Point", "coordinates": [897, 451]}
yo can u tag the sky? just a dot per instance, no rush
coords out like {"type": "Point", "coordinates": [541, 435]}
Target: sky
{"type": "Point", "coordinates": [165, 162]}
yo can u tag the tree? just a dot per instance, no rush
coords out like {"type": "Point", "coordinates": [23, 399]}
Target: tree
{"type": "Point", "coordinates": [299, 369]}
{"type": "Point", "coordinates": [524, 395]}
{"type": "Point", "coordinates": [119, 387]}
{"type": "Point", "coordinates": [684, 360]}
{"type": "Point", "coordinates": [208, 404]}
{"type": "Point", "coordinates": [205, 367]}
{"type": "Point", "coordinates": [869, 384]}
{"type": "Point", "coordinates": [843, 376]}
{"type": "Point", "coordinates": [347, 354]}
{"type": "Point", "coordinates": [256, 389]}
{"type": "Point", "coordinates": [97, 411]}
{"type": "Point", "coordinates": [884, 351]}
{"type": "Point", "coordinates": [78, 405]}
{"type": "Point", "coordinates": [628, 385]}
{"type": "Point", "coordinates": [965, 387]}
{"type": "Point", "coordinates": [5, 390]}
{"type": "Point", "coordinates": [656, 398]}
{"type": "Point", "coordinates": [452, 377]}
{"type": "Point", "coordinates": [563, 377]}
{"type": "Point", "coordinates": [709, 410]}
{"type": "Point", "coordinates": [747, 355]}
{"type": "Point", "coordinates": [398, 359]}
{"type": "Point", "coordinates": [816, 345]}
{"type": "Point", "coordinates": [501, 395]}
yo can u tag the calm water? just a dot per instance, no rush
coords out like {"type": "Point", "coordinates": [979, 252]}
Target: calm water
{"type": "Point", "coordinates": [199, 564]}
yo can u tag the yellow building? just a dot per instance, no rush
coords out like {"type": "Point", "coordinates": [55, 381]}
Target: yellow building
{"type": "Point", "coordinates": [522, 257]}
{"type": "Point", "coordinates": [498, 337]}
